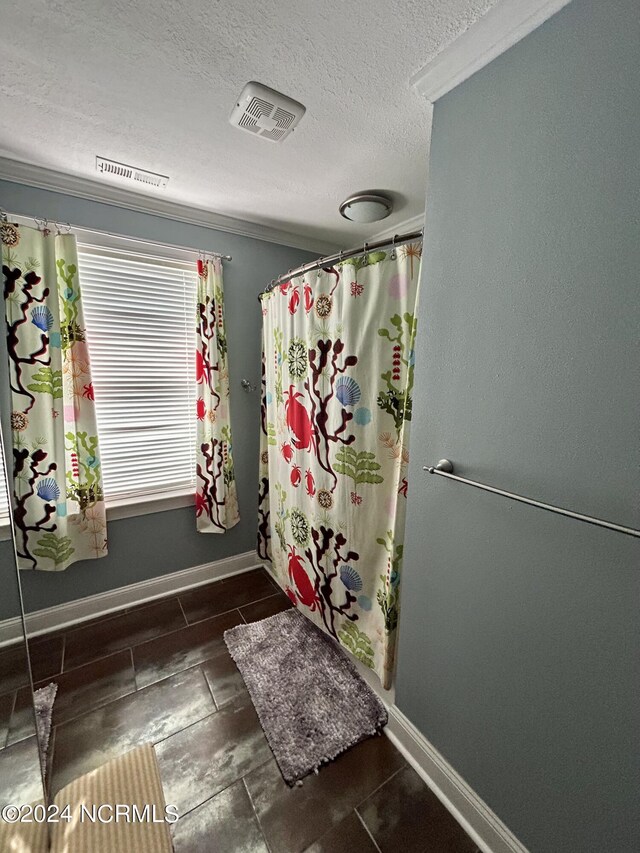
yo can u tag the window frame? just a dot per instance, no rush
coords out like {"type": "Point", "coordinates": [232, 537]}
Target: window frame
{"type": "Point", "coordinates": [5, 526]}
{"type": "Point", "coordinates": [130, 506]}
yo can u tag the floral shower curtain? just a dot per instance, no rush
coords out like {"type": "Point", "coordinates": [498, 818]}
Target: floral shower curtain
{"type": "Point", "coordinates": [337, 383]}
{"type": "Point", "coordinates": [59, 511]}
{"type": "Point", "coordinates": [216, 497]}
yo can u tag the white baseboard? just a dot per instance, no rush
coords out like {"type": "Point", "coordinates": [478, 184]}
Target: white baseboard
{"type": "Point", "coordinates": [10, 631]}
{"type": "Point", "coordinates": [73, 612]}
{"type": "Point", "coordinates": [472, 813]}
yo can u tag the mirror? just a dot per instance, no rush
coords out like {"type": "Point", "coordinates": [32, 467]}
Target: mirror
{"type": "Point", "coordinates": [21, 780]}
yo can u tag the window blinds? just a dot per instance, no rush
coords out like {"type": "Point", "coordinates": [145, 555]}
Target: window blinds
{"type": "Point", "coordinates": [140, 321]}
{"type": "Point", "coordinates": [4, 495]}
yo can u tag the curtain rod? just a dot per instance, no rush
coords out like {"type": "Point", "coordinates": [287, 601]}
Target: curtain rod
{"type": "Point", "coordinates": [396, 240]}
{"type": "Point", "coordinates": [44, 222]}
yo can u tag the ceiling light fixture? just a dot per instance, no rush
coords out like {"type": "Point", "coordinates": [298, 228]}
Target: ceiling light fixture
{"type": "Point", "coordinates": [366, 207]}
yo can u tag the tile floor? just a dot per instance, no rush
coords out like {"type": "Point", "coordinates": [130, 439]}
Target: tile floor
{"type": "Point", "coordinates": [161, 672]}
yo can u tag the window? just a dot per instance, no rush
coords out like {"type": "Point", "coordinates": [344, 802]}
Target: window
{"type": "Point", "coordinates": [140, 320]}
{"type": "Point", "coordinates": [4, 501]}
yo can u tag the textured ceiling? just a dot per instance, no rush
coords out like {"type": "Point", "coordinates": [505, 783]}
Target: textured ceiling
{"type": "Point", "coordinates": [152, 83]}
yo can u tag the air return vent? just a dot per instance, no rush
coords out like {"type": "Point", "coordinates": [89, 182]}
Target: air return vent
{"type": "Point", "coordinates": [265, 112]}
{"type": "Point", "coordinates": [130, 174]}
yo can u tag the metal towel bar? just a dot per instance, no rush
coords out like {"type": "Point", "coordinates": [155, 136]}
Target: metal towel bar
{"type": "Point", "coordinates": [444, 468]}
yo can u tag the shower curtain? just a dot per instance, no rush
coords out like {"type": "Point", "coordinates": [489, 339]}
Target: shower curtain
{"type": "Point", "coordinates": [336, 406]}
{"type": "Point", "coordinates": [58, 502]}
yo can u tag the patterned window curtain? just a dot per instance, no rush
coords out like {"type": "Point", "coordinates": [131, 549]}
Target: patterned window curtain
{"type": "Point", "coordinates": [59, 511]}
{"type": "Point", "coordinates": [337, 384]}
{"type": "Point", "coordinates": [216, 497]}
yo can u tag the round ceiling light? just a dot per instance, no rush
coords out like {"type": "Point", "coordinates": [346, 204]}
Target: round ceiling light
{"type": "Point", "coordinates": [366, 207]}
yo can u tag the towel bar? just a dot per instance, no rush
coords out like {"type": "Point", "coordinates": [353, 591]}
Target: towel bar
{"type": "Point", "coordinates": [444, 468]}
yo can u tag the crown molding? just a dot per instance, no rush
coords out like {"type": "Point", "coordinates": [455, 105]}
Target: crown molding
{"type": "Point", "coordinates": [415, 223]}
{"type": "Point", "coordinates": [504, 25]}
{"type": "Point", "coordinates": [49, 179]}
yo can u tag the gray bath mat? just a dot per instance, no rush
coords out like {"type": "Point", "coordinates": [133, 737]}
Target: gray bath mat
{"type": "Point", "coordinates": [43, 700]}
{"type": "Point", "coordinates": [311, 702]}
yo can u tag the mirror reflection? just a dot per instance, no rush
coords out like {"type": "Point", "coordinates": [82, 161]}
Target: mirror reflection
{"type": "Point", "coordinates": [95, 752]}
{"type": "Point", "coordinates": [20, 768]}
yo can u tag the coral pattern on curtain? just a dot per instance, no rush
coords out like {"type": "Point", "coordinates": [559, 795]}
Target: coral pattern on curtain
{"type": "Point", "coordinates": [216, 497]}
{"type": "Point", "coordinates": [337, 381]}
{"type": "Point", "coordinates": [59, 512]}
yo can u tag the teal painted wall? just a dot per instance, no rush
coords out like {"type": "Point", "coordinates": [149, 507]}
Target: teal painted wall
{"type": "Point", "coordinates": [519, 635]}
{"type": "Point", "coordinates": [150, 545]}
{"type": "Point", "coordinates": [10, 597]}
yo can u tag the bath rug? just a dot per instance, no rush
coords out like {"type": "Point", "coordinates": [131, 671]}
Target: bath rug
{"type": "Point", "coordinates": [308, 695]}
{"type": "Point", "coordinates": [23, 836]}
{"type": "Point", "coordinates": [132, 779]}
{"type": "Point", "coordinates": [43, 700]}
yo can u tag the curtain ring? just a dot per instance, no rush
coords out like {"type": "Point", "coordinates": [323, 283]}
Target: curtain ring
{"type": "Point", "coordinates": [366, 250]}
{"type": "Point", "coordinates": [3, 215]}
{"type": "Point", "coordinates": [393, 242]}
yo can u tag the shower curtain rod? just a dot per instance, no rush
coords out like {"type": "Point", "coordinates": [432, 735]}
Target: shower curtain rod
{"type": "Point", "coordinates": [396, 240]}
{"type": "Point", "coordinates": [44, 222]}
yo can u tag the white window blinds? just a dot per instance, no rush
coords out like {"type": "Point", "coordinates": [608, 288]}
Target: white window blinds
{"type": "Point", "coordinates": [140, 320]}
{"type": "Point", "coordinates": [4, 493]}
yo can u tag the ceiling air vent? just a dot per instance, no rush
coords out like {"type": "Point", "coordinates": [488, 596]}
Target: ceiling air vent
{"type": "Point", "coordinates": [265, 112]}
{"type": "Point", "coordinates": [129, 173]}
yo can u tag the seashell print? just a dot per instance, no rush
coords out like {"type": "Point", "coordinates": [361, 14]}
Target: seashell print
{"type": "Point", "coordinates": [48, 489]}
{"type": "Point", "coordinates": [350, 578]}
{"type": "Point", "coordinates": [347, 391]}
{"type": "Point", "coordinates": [42, 317]}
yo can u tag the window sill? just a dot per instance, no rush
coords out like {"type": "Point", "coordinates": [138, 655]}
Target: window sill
{"type": "Point", "coordinates": [130, 507]}
{"type": "Point", "coordinates": [147, 504]}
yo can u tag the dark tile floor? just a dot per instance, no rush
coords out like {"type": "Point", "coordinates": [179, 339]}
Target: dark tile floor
{"type": "Point", "coordinates": [161, 672]}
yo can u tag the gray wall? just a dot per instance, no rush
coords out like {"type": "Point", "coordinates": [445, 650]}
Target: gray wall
{"type": "Point", "coordinates": [10, 596]}
{"type": "Point", "coordinates": [10, 601]}
{"type": "Point", "coordinates": [150, 545]}
{"type": "Point", "coordinates": [519, 642]}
